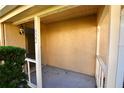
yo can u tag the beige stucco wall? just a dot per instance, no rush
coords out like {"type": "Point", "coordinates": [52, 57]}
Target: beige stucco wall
{"type": "Point", "coordinates": [103, 23]}
{"type": "Point", "coordinates": [12, 36]}
{"type": "Point", "coordinates": [70, 44]}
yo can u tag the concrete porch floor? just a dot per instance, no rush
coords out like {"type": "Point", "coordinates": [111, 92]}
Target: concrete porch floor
{"type": "Point", "coordinates": [59, 78]}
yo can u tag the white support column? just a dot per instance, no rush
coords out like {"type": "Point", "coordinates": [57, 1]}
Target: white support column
{"type": "Point", "coordinates": [113, 45]}
{"type": "Point", "coordinates": [120, 69]}
{"type": "Point", "coordinates": [38, 51]}
{"type": "Point", "coordinates": [1, 35]}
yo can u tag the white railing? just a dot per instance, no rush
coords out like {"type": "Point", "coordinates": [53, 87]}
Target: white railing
{"type": "Point", "coordinates": [32, 85]}
{"type": "Point", "coordinates": [28, 60]}
{"type": "Point", "coordinates": [101, 72]}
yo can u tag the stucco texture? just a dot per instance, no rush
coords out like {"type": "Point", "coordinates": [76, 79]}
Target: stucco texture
{"type": "Point", "coordinates": [70, 44]}
{"type": "Point", "coordinates": [12, 36]}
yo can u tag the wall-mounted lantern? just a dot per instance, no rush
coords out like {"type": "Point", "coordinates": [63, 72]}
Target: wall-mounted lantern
{"type": "Point", "coordinates": [21, 30]}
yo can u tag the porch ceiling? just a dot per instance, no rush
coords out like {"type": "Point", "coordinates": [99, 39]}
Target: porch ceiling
{"type": "Point", "coordinates": [28, 12]}
{"type": "Point", "coordinates": [4, 9]}
{"type": "Point", "coordinates": [82, 10]}
{"type": "Point", "coordinates": [77, 11]}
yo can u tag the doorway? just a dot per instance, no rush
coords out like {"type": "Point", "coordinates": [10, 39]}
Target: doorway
{"type": "Point", "coordinates": [30, 56]}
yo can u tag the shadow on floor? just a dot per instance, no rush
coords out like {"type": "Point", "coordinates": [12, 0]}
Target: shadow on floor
{"type": "Point", "coordinates": [59, 78]}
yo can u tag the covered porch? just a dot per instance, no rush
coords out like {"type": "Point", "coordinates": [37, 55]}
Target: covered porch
{"type": "Point", "coordinates": [64, 38]}
{"type": "Point", "coordinates": [67, 46]}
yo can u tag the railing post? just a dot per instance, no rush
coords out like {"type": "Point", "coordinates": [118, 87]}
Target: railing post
{"type": "Point", "coordinates": [29, 73]}
{"type": "Point", "coordinates": [97, 53]}
{"type": "Point", "coordinates": [38, 51]}
{"type": "Point", "coordinates": [98, 40]}
{"type": "Point", "coordinates": [102, 77]}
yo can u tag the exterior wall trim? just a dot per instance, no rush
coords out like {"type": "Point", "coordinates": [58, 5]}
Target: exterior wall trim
{"type": "Point", "coordinates": [15, 12]}
{"type": "Point", "coordinates": [44, 13]}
